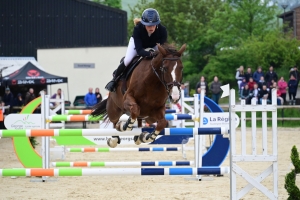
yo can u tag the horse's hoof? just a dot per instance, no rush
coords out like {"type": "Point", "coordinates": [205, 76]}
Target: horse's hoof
{"type": "Point", "coordinates": [112, 142]}
{"type": "Point", "coordinates": [137, 140]}
{"type": "Point", "coordinates": [118, 126]}
{"type": "Point", "coordinates": [145, 137]}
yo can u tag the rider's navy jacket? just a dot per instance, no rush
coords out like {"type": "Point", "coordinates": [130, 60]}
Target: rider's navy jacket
{"type": "Point", "coordinates": [143, 41]}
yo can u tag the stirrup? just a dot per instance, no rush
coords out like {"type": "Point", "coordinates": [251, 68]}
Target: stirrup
{"type": "Point", "coordinates": [111, 86]}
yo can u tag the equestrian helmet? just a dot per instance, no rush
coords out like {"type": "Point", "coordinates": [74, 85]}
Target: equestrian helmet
{"type": "Point", "coordinates": [150, 17]}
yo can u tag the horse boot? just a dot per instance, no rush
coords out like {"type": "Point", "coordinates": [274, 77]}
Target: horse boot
{"type": "Point", "coordinates": [111, 86]}
{"type": "Point", "coordinates": [294, 102]}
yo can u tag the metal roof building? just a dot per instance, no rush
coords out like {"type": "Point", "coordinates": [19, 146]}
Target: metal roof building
{"type": "Point", "coordinates": [26, 26]}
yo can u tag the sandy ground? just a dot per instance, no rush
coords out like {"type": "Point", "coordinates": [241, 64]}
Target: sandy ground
{"type": "Point", "coordinates": [142, 187]}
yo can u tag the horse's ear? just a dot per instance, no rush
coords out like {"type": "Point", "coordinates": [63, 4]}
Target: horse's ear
{"type": "Point", "coordinates": [161, 50]}
{"type": "Point", "coordinates": [182, 49]}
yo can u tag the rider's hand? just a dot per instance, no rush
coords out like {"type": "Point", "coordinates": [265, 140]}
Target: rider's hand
{"type": "Point", "coordinates": [153, 54]}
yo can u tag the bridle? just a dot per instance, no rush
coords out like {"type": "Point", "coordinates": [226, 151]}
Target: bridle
{"type": "Point", "coordinates": [161, 77]}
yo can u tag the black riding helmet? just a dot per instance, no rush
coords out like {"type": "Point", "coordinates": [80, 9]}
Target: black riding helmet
{"type": "Point", "coordinates": [150, 17]}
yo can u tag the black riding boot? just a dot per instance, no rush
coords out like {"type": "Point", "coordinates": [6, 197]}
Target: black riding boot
{"type": "Point", "coordinates": [111, 86]}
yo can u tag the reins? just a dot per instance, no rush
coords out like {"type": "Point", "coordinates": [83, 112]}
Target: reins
{"type": "Point", "coordinates": [161, 78]}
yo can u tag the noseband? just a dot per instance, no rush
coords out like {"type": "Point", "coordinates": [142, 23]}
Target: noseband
{"type": "Point", "coordinates": [161, 77]}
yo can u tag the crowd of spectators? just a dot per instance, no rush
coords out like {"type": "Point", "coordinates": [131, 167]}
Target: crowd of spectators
{"type": "Point", "coordinates": [258, 85]}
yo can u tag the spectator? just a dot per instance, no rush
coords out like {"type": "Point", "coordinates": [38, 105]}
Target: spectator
{"type": "Point", "coordinates": [44, 90]}
{"type": "Point", "coordinates": [264, 94]}
{"type": "Point", "coordinates": [261, 82]}
{"type": "Point", "coordinates": [198, 85]}
{"type": "Point", "coordinates": [251, 83]}
{"type": "Point", "coordinates": [296, 74]}
{"type": "Point", "coordinates": [239, 76]}
{"type": "Point", "coordinates": [292, 84]}
{"type": "Point", "coordinates": [245, 94]}
{"type": "Point", "coordinates": [282, 85]}
{"type": "Point", "coordinates": [4, 113]}
{"type": "Point", "coordinates": [242, 85]}
{"type": "Point", "coordinates": [215, 89]}
{"type": "Point", "coordinates": [257, 74]}
{"type": "Point", "coordinates": [8, 100]}
{"type": "Point", "coordinates": [294, 71]}
{"type": "Point", "coordinates": [273, 85]}
{"type": "Point", "coordinates": [185, 89]}
{"type": "Point", "coordinates": [90, 99]}
{"type": "Point", "coordinates": [255, 92]}
{"type": "Point", "coordinates": [98, 95]}
{"type": "Point", "coordinates": [248, 74]}
{"type": "Point", "coordinates": [19, 100]}
{"type": "Point", "coordinates": [279, 96]}
{"type": "Point", "coordinates": [271, 75]}
{"type": "Point", "coordinates": [57, 96]}
{"type": "Point", "coordinates": [29, 96]}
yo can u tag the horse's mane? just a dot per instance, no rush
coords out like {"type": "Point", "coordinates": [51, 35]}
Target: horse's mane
{"type": "Point", "coordinates": [171, 49]}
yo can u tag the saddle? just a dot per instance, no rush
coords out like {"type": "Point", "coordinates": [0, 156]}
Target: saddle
{"type": "Point", "coordinates": [129, 69]}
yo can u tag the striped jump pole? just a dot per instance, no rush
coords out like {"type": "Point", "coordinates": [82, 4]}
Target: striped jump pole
{"type": "Point", "coordinates": [110, 132]}
{"type": "Point", "coordinates": [172, 111]}
{"type": "Point", "coordinates": [87, 112]}
{"type": "Point", "coordinates": [122, 164]}
{"type": "Point", "coordinates": [150, 149]}
{"type": "Point", "coordinates": [73, 118]}
{"type": "Point", "coordinates": [181, 117]}
{"type": "Point", "coordinates": [78, 112]}
{"type": "Point", "coordinates": [80, 118]}
{"type": "Point", "coordinates": [115, 171]}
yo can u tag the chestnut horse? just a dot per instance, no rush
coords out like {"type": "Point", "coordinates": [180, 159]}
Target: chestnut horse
{"type": "Point", "coordinates": [149, 86]}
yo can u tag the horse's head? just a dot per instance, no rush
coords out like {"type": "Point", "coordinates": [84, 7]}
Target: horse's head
{"type": "Point", "coordinates": [171, 68]}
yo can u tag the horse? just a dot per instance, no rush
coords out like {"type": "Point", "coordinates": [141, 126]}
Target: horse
{"type": "Point", "coordinates": [148, 87]}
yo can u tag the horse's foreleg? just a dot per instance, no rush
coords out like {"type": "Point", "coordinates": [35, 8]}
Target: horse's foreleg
{"type": "Point", "coordinates": [136, 138]}
{"type": "Point", "coordinates": [131, 106]}
{"type": "Point", "coordinates": [114, 113]}
{"type": "Point", "coordinates": [128, 126]}
{"type": "Point", "coordinates": [150, 137]}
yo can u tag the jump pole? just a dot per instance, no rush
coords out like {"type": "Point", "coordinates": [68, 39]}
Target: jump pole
{"type": "Point", "coordinates": [110, 132]}
{"type": "Point", "coordinates": [141, 149]}
{"type": "Point", "coordinates": [115, 171]}
{"type": "Point", "coordinates": [80, 118]}
{"type": "Point", "coordinates": [123, 164]}
{"type": "Point", "coordinates": [87, 112]}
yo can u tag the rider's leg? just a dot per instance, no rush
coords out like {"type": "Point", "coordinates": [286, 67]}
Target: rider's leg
{"type": "Point", "coordinates": [130, 53]}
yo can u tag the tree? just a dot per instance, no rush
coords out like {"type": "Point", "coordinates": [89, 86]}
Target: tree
{"type": "Point", "coordinates": [111, 3]}
{"type": "Point", "coordinates": [241, 19]}
{"type": "Point", "coordinates": [275, 48]}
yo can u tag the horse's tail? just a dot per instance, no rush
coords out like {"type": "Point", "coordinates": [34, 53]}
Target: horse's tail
{"type": "Point", "coordinates": [100, 109]}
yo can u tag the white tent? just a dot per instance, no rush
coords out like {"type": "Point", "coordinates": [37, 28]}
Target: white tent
{"type": "Point", "coordinates": [9, 65]}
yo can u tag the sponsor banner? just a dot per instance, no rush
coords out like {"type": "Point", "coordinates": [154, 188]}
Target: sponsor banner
{"type": "Point", "coordinates": [219, 120]}
{"type": "Point", "coordinates": [102, 140]}
{"type": "Point", "coordinates": [38, 81]}
{"type": "Point", "coordinates": [25, 82]}
{"type": "Point", "coordinates": [55, 80]}
{"type": "Point", "coordinates": [23, 121]}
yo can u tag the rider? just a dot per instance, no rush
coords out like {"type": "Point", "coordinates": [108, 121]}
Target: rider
{"type": "Point", "coordinates": [146, 34]}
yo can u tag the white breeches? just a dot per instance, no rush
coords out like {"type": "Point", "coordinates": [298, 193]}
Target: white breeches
{"type": "Point", "coordinates": [131, 52]}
